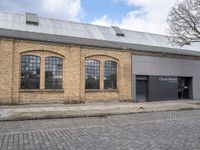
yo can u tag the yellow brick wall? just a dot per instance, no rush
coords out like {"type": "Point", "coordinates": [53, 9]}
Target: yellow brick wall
{"type": "Point", "coordinates": [73, 73]}
{"type": "Point", "coordinates": [123, 59]}
{"type": "Point", "coordinates": [6, 65]}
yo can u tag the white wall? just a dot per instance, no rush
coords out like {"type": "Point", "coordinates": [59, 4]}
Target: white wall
{"type": "Point", "coordinates": [147, 65]}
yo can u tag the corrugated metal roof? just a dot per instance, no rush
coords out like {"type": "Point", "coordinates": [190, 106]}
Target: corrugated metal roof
{"type": "Point", "coordinates": [14, 25]}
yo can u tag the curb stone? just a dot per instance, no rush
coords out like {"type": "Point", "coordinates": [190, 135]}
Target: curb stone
{"type": "Point", "coordinates": [62, 115]}
{"type": "Point", "coordinates": [94, 110]}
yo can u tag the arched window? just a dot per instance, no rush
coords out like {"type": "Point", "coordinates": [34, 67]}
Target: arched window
{"type": "Point", "coordinates": [30, 72]}
{"type": "Point", "coordinates": [92, 74]}
{"type": "Point", "coordinates": [53, 72]}
{"type": "Point", "coordinates": [110, 75]}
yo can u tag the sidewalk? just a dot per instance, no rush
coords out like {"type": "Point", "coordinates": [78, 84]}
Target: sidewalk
{"type": "Point", "coordinates": [47, 111]}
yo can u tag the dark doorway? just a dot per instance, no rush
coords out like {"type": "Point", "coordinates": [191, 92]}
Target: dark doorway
{"type": "Point", "coordinates": [141, 88]}
{"type": "Point", "coordinates": [161, 88]}
{"type": "Point", "coordinates": [184, 88]}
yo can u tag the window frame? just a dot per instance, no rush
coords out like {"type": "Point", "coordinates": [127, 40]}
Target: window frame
{"type": "Point", "coordinates": [53, 62]}
{"type": "Point", "coordinates": [37, 65]}
{"type": "Point", "coordinates": [96, 70]}
{"type": "Point", "coordinates": [107, 71]}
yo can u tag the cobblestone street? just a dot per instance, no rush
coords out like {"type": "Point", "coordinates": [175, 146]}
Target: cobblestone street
{"type": "Point", "coordinates": [178, 130]}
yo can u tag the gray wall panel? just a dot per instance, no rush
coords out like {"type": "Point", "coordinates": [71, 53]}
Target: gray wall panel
{"type": "Point", "coordinates": [134, 87]}
{"type": "Point", "coordinates": [159, 66]}
{"type": "Point", "coordinates": [162, 90]}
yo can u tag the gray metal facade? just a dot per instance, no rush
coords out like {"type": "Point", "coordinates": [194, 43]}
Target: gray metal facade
{"type": "Point", "coordinates": [162, 89]}
{"type": "Point", "coordinates": [159, 66]}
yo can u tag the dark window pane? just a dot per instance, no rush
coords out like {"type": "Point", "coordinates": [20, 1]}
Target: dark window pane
{"type": "Point", "coordinates": [53, 72]}
{"type": "Point", "coordinates": [30, 72]}
{"type": "Point", "coordinates": [110, 75]}
{"type": "Point", "coordinates": [92, 75]}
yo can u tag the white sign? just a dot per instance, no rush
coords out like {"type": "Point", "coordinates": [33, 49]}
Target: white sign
{"type": "Point", "coordinates": [168, 79]}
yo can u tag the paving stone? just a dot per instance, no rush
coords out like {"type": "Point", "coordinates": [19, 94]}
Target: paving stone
{"type": "Point", "coordinates": [175, 130]}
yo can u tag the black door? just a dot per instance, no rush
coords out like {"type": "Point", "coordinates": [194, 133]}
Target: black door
{"type": "Point", "coordinates": [184, 88]}
{"type": "Point", "coordinates": [141, 90]}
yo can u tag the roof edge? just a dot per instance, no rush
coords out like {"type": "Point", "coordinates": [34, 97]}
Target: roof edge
{"type": "Point", "coordinates": [44, 37]}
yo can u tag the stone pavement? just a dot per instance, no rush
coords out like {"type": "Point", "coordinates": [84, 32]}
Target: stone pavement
{"type": "Point", "coordinates": [171, 130]}
{"type": "Point", "coordinates": [47, 111]}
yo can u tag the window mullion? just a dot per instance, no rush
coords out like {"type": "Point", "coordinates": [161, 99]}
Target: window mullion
{"type": "Point", "coordinates": [42, 73]}
{"type": "Point", "coordinates": [101, 75]}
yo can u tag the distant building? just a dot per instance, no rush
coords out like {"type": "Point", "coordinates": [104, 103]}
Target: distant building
{"type": "Point", "coordinates": [46, 60]}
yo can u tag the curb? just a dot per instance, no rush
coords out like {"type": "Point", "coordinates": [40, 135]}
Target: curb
{"type": "Point", "coordinates": [82, 114]}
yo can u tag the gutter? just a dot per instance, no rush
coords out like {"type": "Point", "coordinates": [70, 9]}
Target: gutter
{"type": "Point", "coordinates": [44, 37]}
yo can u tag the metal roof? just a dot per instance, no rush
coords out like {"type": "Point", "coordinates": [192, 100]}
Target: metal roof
{"type": "Point", "coordinates": [54, 30]}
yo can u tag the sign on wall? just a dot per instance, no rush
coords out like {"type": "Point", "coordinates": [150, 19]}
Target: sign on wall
{"type": "Point", "coordinates": [168, 79]}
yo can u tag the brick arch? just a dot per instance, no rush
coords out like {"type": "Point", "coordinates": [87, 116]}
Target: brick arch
{"type": "Point", "coordinates": [36, 52]}
{"type": "Point", "coordinates": [99, 56]}
{"type": "Point", "coordinates": [30, 54]}
{"type": "Point", "coordinates": [91, 58]}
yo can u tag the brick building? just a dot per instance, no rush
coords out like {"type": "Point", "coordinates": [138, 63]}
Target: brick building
{"type": "Point", "coordinates": [46, 60]}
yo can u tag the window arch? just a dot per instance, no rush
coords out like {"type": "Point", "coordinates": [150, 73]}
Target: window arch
{"type": "Point", "coordinates": [53, 72]}
{"type": "Point", "coordinates": [30, 72]}
{"type": "Point", "coordinates": [92, 74]}
{"type": "Point", "coordinates": [110, 75]}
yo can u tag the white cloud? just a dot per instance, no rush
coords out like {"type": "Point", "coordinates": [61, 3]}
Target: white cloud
{"type": "Point", "coordinates": [151, 16]}
{"type": "Point", "coordinates": [60, 9]}
{"type": "Point", "coordinates": [103, 21]}
{"type": "Point", "coordinates": [65, 9]}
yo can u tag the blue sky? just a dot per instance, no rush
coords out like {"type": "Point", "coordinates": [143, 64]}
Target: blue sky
{"type": "Point", "coordinates": [98, 8]}
{"type": "Point", "coordinates": [140, 15]}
